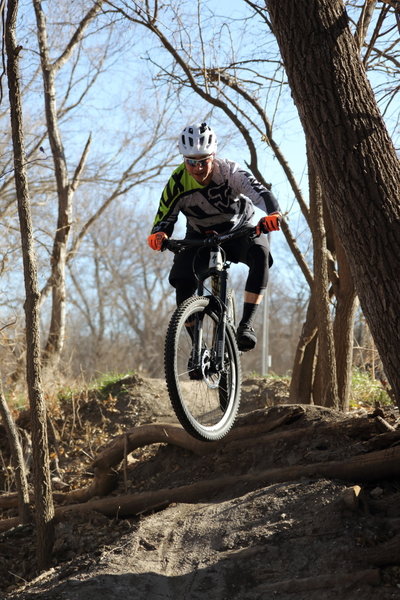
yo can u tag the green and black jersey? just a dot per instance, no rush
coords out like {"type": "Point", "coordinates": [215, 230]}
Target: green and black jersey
{"type": "Point", "coordinates": [228, 199]}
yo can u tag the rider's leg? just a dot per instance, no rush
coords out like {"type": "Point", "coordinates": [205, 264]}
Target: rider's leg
{"type": "Point", "coordinates": [182, 279]}
{"type": "Point", "coordinates": [258, 259]}
{"type": "Point", "coordinates": [250, 306]}
{"type": "Point", "coordinates": [181, 276]}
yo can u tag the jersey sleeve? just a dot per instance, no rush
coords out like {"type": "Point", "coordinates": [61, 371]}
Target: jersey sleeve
{"type": "Point", "coordinates": [261, 196]}
{"type": "Point", "coordinates": [168, 209]}
{"type": "Point", "coordinates": [179, 185]}
{"type": "Point", "coordinates": [166, 216]}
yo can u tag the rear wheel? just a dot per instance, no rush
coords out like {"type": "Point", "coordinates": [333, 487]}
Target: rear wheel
{"type": "Point", "coordinates": [205, 400]}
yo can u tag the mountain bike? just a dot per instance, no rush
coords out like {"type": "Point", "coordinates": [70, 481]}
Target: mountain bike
{"type": "Point", "coordinates": [201, 357]}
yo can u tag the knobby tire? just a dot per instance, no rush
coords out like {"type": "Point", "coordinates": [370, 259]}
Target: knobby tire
{"type": "Point", "coordinates": [206, 403]}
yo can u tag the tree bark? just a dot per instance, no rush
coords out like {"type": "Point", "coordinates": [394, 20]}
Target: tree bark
{"type": "Point", "coordinates": [301, 382]}
{"type": "Point", "coordinates": [358, 166]}
{"type": "Point", "coordinates": [42, 484]}
{"type": "Point", "coordinates": [343, 326]}
{"type": "Point", "coordinates": [327, 392]}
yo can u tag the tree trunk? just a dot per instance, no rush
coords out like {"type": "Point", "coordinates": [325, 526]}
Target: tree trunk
{"type": "Point", "coordinates": [42, 484]}
{"type": "Point", "coordinates": [57, 322]}
{"type": "Point", "coordinates": [343, 290]}
{"type": "Point", "coordinates": [302, 378]}
{"type": "Point", "coordinates": [358, 166]}
{"type": "Point", "coordinates": [17, 459]}
{"type": "Point", "coordinates": [65, 186]}
{"type": "Point", "coordinates": [346, 302]}
{"type": "Point", "coordinates": [327, 383]}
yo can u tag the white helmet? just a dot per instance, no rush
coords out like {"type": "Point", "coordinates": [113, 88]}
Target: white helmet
{"type": "Point", "coordinates": [197, 139]}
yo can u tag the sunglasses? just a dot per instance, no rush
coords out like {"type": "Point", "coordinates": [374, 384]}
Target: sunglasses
{"type": "Point", "coordinates": [198, 162]}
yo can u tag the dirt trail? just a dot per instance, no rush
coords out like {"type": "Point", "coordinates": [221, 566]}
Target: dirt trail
{"type": "Point", "coordinates": [292, 540]}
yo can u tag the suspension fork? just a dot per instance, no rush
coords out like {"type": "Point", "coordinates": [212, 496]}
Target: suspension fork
{"type": "Point", "coordinates": [218, 302]}
{"type": "Point", "coordinates": [221, 326]}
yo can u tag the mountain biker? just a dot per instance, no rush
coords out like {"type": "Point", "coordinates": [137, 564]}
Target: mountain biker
{"type": "Point", "coordinates": [216, 194]}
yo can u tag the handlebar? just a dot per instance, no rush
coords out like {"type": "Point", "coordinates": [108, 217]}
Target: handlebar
{"type": "Point", "coordinates": [210, 239]}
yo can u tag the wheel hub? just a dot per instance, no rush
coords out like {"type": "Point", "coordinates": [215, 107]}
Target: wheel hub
{"type": "Point", "coordinates": [210, 376]}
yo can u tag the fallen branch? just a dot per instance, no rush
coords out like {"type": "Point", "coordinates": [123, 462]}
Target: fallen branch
{"type": "Point", "coordinates": [17, 459]}
{"type": "Point", "coordinates": [384, 425]}
{"type": "Point", "coordinates": [352, 428]}
{"type": "Point", "coordinates": [384, 464]}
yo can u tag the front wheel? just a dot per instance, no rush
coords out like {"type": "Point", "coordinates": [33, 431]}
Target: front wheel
{"type": "Point", "coordinates": [205, 399]}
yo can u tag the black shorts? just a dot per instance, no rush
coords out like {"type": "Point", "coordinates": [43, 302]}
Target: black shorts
{"type": "Point", "coordinates": [252, 252]}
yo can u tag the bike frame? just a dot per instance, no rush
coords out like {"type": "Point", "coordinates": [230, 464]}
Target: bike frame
{"type": "Point", "coordinates": [217, 268]}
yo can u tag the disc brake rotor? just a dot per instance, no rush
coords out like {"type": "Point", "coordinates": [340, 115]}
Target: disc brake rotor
{"type": "Point", "coordinates": [210, 375]}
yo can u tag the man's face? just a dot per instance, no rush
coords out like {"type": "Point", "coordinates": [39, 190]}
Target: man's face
{"type": "Point", "coordinates": [200, 167]}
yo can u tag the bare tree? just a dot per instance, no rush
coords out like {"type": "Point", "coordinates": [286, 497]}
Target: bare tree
{"type": "Point", "coordinates": [105, 176]}
{"type": "Point", "coordinates": [66, 185]}
{"type": "Point", "coordinates": [357, 164]}
{"type": "Point", "coordinates": [42, 483]}
{"type": "Point", "coordinates": [17, 459]}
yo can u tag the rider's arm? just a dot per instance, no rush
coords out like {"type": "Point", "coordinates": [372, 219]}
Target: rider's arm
{"type": "Point", "coordinates": [246, 184]}
{"type": "Point", "coordinates": [179, 185]}
{"type": "Point", "coordinates": [166, 216]}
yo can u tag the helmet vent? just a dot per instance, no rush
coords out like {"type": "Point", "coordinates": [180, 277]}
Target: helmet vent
{"type": "Point", "coordinates": [197, 139]}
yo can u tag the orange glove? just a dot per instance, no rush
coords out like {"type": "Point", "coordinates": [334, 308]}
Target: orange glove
{"type": "Point", "coordinates": [269, 223]}
{"type": "Point", "coordinates": [156, 240]}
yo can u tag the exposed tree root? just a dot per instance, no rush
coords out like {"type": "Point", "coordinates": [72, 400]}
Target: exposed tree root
{"type": "Point", "coordinates": [383, 464]}
{"type": "Point", "coordinates": [254, 428]}
{"type": "Point", "coordinates": [104, 466]}
{"type": "Point", "coordinates": [322, 582]}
